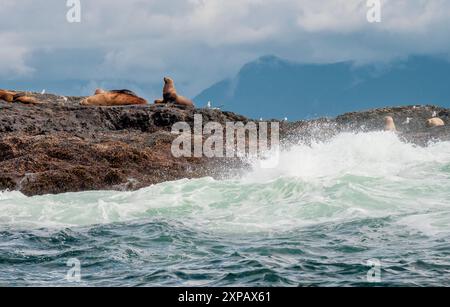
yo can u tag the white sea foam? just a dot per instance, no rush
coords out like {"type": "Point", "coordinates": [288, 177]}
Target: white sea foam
{"type": "Point", "coordinates": [351, 177]}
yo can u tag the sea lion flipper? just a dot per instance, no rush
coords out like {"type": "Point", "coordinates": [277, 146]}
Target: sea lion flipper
{"type": "Point", "coordinates": [26, 100]}
{"type": "Point", "coordinates": [18, 95]}
{"type": "Point", "coordinates": [124, 91]}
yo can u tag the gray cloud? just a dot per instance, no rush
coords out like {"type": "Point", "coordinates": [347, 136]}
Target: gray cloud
{"type": "Point", "coordinates": [202, 41]}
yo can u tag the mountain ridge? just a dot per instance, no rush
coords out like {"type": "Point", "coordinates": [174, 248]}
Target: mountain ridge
{"type": "Point", "coordinates": [272, 87]}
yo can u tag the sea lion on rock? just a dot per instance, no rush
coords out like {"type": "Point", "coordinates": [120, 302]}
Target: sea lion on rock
{"type": "Point", "coordinates": [25, 99]}
{"type": "Point", "coordinates": [169, 91]}
{"type": "Point", "coordinates": [113, 98]}
{"type": "Point", "coordinates": [435, 122]}
{"type": "Point", "coordinates": [7, 96]}
{"type": "Point", "coordinates": [170, 95]}
{"type": "Point", "coordinates": [12, 97]}
{"type": "Point", "coordinates": [389, 124]}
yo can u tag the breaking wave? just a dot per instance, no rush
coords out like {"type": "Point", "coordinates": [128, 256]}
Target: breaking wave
{"type": "Point", "coordinates": [368, 192]}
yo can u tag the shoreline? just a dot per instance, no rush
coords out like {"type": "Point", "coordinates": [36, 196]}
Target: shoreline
{"type": "Point", "coordinates": [60, 146]}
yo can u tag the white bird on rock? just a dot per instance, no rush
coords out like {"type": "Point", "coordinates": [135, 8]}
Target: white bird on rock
{"type": "Point", "coordinates": [407, 121]}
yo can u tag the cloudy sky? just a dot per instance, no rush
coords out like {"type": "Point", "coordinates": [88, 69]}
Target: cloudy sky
{"type": "Point", "coordinates": [199, 42]}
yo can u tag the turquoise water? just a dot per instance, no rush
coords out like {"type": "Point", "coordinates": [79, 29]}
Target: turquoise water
{"type": "Point", "coordinates": [314, 219]}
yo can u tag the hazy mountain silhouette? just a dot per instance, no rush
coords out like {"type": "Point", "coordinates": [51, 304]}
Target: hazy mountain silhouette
{"type": "Point", "coordinates": [271, 87]}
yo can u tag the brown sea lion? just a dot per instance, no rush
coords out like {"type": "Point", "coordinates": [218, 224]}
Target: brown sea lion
{"type": "Point", "coordinates": [25, 99]}
{"type": "Point", "coordinates": [170, 95]}
{"type": "Point", "coordinates": [389, 124]}
{"type": "Point", "coordinates": [7, 96]}
{"type": "Point", "coordinates": [169, 91]}
{"type": "Point", "coordinates": [435, 122]}
{"type": "Point", "coordinates": [113, 98]}
{"type": "Point", "coordinates": [13, 97]}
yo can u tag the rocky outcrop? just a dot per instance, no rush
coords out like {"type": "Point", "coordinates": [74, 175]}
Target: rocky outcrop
{"type": "Point", "coordinates": [410, 121]}
{"type": "Point", "coordinates": [59, 146]}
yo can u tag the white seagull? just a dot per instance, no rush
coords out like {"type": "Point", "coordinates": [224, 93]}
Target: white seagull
{"type": "Point", "coordinates": [407, 121]}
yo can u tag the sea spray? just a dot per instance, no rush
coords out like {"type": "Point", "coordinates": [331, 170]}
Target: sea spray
{"type": "Point", "coordinates": [319, 218]}
{"type": "Point", "coordinates": [350, 176]}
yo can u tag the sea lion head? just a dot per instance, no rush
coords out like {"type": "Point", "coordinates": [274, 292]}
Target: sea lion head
{"type": "Point", "coordinates": [389, 124]}
{"type": "Point", "coordinates": [99, 91]}
{"type": "Point", "coordinates": [168, 80]}
{"type": "Point", "coordinates": [7, 96]}
{"type": "Point", "coordinates": [388, 120]}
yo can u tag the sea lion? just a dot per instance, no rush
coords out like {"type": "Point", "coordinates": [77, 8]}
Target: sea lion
{"type": "Point", "coordinates": [435, 122]}
{"type": "Point", "coordinates": [170, 95]}
{"type": "Point", "coordinates": [26, 99]}
{"type": "Point", "coordinates": [113, 98]}
{"type": "Point", "coordinates": [169, 91]}
{"type": "Point", "coordinates": [389, 124]}
{"type": "Point", "coordinates": [13, 97]}
{"type": "Point", "coordinates": [7, 96]}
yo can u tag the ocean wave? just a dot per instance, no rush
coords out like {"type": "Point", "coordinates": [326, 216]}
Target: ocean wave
{"type": "Point", "coordinates": [350, 177]}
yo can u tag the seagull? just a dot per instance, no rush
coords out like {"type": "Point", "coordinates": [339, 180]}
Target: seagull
{"type": "Point", "coordinates": [208, 105]}
{"type": "Point", "coordinates": [434, 114]}
{"type": "Point", "coordinates": [407, 121]}
{"type": "Point", "coordinates": [65, 99]}
{"type": "Point", "coordinates": [43, 92]}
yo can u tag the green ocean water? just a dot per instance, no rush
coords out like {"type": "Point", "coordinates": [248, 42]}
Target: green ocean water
{"type": "Point", "coordinates": [316, 218]}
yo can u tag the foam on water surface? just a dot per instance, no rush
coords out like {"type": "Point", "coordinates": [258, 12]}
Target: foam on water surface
{"type": "Point", "coordinates": [352, 176]}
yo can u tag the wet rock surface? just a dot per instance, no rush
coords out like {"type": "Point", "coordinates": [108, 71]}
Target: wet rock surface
{"type": "Point", "coordinates": [59, 146]}
{"type": "Point", "coordinates": [410, 122]}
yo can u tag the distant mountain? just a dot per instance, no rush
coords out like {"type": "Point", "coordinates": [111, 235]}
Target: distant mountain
{"type": "Point", "coordinates": [271, 87]}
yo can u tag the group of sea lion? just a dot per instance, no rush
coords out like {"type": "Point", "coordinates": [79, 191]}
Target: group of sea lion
{"type": "Point", "coordinates": [170, 96]}
{"type": "Point", "coordinates": [13, 97]}
{"type": "Point", "coordinates": [111, 98]}
{"type": "Point", "coordinates": [126, 97]}
{"type": "Point", "coordinates": [389, 124]}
